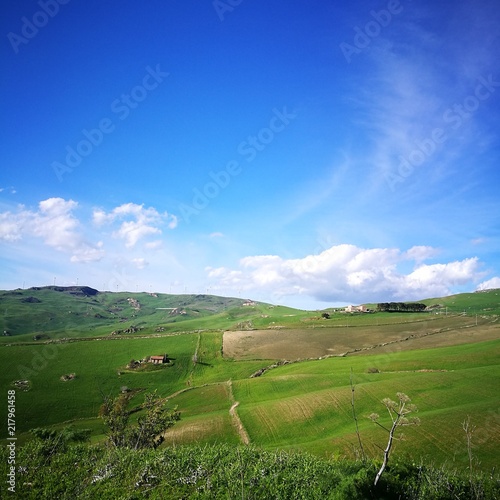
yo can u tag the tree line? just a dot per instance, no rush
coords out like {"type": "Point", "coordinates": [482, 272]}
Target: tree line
{"type": "Point", "coordinates": [400, 307]}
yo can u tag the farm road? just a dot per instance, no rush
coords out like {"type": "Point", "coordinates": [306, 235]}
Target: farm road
{"type": "Point", "coordinates": [236, 418]}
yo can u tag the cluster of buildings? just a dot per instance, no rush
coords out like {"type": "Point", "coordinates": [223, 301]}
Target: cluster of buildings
{"type": "Point", "coordinates": [351, 309]}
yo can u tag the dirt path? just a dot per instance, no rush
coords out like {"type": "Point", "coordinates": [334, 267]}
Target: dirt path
{"type": "Point", "coordinates": [236, 418]}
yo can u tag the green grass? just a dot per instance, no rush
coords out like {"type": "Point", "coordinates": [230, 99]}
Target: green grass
{"type": "Point", "coordinates": [96, 364]}
{"type": "Point", "coordinates": [307, 405]}
{"type": "Point", "coordinates": [483, 303]}
{"type": "Point", "coordinates": [228, 471]}
{"type": "Point", "coordinates": [299, 406]}
{"type": "Point", "coordinates": [213, 367]}
{"type": "Point", "coordinates": [205, 417]}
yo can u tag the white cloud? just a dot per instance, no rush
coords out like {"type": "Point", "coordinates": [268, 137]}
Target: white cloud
{"type": "Point", "coordinates": [420, 253]}
{"type": "Point", "coordinates": [174, 221]}
{"type": "Point", "coordinates": [153, 245]}
{"type": "Point", "coordinates": [478, 241]}
{"type": "Point", "coordinates": [133, 231]}
{"type": "Point", "coordinates": [491, 283]}
{"type": "Point", "coordinates": [140, 263]}
{"type": "Point", "coordinates": [438, 279]}
{"type": "Point", "coordinates": [55, 224]}
{"type": "Point", "coordinates": [349, 273]}
{"type": "Point", "coordinates": [86, 253]}
{"type": "Point", "coordinates": [137, 222]}
{"type": "Point", "coordinates": [11, 226]}
{"type": "Point", "coordinates": [100, 217]}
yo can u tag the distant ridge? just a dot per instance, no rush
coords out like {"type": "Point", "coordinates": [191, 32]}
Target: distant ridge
{"type": "Point", "coordinates": [73, 290]}
{"type": "Point", "coordinates": [85, 311]}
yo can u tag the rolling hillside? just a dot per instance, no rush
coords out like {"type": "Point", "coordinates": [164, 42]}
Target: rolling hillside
{"type": "Point", "coordinates": [245, 372]}
{"type": "Point", "coordinates": [83, 311]}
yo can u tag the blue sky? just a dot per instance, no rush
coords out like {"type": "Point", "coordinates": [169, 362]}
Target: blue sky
{"type": "Point", "coordinates": [303, 153]}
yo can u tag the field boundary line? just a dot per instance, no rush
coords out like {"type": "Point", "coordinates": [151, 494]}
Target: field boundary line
{"type": "Point", "coordinates": [360, 350]}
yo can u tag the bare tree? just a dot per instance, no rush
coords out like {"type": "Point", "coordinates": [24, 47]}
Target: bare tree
{"type": "Point", "coordinates": [469, 429]}
{"type": "Point", "coordinates": [398, 411]}
{"type": "Point", "coordinates": [354, 416]}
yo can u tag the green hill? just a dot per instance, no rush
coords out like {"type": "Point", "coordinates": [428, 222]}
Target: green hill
{"type": "Point", "coordinates": [486, 302]}
{"type": "Point", "coordinates": [73, 312]}
{"type": "Point", "coordinates": [243, 371]}
{"type": "Point", "coordinates": [83, 312]}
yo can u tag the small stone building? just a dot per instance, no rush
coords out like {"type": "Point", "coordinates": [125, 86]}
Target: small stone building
{"type": "Point", "coordinates": [158, 360]}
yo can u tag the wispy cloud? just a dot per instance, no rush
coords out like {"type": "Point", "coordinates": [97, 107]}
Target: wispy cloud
{"type": "Point", "coordinates": [417, 83]}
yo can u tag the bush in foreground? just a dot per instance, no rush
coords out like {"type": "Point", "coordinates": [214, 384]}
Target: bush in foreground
{"type": "Point", "coordinates": [84, 472]}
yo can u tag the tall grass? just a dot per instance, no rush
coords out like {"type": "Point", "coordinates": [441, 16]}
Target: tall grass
{"type": "Point", "coordinates": [223, 471]}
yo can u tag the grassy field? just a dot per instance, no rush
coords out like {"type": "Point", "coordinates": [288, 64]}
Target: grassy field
{"type": "Point", "coordinates": [307, 405]}
{"type": "Point", "coordinates": [97, 365]}
{"type": "Point", "coordinates": [447, 362]}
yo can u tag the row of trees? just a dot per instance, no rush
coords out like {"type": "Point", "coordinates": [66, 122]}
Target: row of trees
{"type": "Point", "coordinates": [400, 307]}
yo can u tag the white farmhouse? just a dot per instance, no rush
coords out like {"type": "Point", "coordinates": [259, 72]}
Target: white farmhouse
{"type": "Point", "coordinates": [351, 309]}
